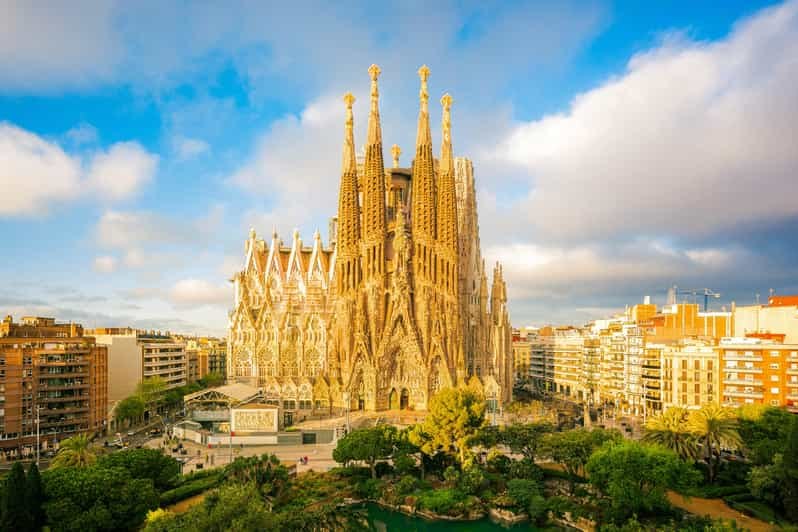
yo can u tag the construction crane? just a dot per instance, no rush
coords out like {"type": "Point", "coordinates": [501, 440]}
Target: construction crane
{"type": "Point", "coordinates": [674, 292]}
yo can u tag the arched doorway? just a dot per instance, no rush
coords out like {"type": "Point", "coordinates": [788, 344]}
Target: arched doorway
{"type": "Point", "coordinates": [393, 400]}
{"type": "Point", "coordinates": [404, 400]}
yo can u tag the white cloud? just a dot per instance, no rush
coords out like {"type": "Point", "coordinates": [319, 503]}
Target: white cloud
{"type": "Point", "coordinates": [35, 172]}
{"type": "Point", "coordinates": [120, 172]}
{"type": "Point", "coordinates": [83, 133]}
{"type": "Point", "coordinates": [105, 264]}
{"type": "Point", "coordinates": [192, 292]}
{"type": "Point", "coordinates": [188, 148]}
{"type": "Point", "coordinates": [693, 138]}
{"type": "Point", "coordinates": [72, 43]}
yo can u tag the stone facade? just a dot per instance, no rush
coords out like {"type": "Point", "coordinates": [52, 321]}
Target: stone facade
{"type": "Point", "coordinates": [395, 307]}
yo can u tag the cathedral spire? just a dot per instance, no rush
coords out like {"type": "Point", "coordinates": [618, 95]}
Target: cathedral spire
{"type": "Point", "coordinates": [447, 200]}
{"type": "Point", "coordinates": [348, 239]}
{"type": "Point", "coordinates": [374, 225]}
{"type": "Point", "coordinates": [423, 216]}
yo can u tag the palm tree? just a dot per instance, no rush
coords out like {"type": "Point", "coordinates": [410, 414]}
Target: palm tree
{"type": "Point", "coordinates": [715, 429]}
{"type": "Point", "coordinates": [669, 429]}
{"type": "Point", "coordinates": [75, 451]}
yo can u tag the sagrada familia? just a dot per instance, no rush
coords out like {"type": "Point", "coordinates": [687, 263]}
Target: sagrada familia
{"type": "Point", "coordinates": [395, 307]}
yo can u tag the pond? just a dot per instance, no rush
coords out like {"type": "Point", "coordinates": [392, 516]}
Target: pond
{"type": "Point", "coordinates": [384, 520]}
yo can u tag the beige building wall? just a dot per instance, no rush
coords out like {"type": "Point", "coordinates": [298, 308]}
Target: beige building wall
{"type": "Point", "coordinates": [765, 319]}
{"type": "Point", "coordinates": [125, 368]}
{"type": "Point", "coordinates": [690, 376]}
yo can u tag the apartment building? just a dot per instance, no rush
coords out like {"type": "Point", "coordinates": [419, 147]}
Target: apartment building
{"type": "Point", "coordinates": [759, 371]}
{"type": "Point", "coordinates": [779, 316]}
{"type": "Point", "coordinates": [135, 355]}
{"type": "Point", "coordinates": [690, 375]}
{"type": "Point", "coordinates": [651, 374]}
{"type": "Point", "coordinates": [206, 355]}
{"type": "Point", "coordinates": [53, 375]}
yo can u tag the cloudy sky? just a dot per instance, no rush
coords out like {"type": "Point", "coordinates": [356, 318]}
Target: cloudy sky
{"type": "Point", "coordinates": [619, 147]}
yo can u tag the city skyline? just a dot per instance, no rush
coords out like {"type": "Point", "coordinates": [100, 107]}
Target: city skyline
{"type": "Point", "coordinates": [618, 150]}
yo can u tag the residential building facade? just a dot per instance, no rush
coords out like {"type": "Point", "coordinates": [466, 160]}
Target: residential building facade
{"type": "Point", "coordinates": [51, 375]}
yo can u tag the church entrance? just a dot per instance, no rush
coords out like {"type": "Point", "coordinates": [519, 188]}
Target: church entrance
{"type": "Point", "coordinates": [404, 400]}
{"type": "Point", "coordinates": [393, 400]}
{"type": "Point", "coordinates": [361, 402]}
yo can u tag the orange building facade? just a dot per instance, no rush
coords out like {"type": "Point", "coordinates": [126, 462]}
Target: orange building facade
{"type": "Point", "coordinates": [757, 371]}
{"type": "Point", "coordinates": [51, 374]}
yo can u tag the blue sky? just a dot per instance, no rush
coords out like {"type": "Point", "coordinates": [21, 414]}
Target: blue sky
{"type": "Point", "coordinates": [619, 147]}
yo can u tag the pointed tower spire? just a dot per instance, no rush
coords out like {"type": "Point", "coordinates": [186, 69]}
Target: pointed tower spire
{"type": "Point", "coordinates": [423, 216]}
{"type": "Point", "coordinates": [396, 151]}
{"type": "Point", "coordinates": [374, 225]}
{"type": "Point", "coordinates": [348, 240]}
{"type": "Point", "coordinates": [447, 200]}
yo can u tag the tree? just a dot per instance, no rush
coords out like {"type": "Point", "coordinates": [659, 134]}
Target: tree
{"type": "Point", "coordinates": [96, 498]}
{"type": "Point", "coordinates": [767, 482]}
{"type": "Point", "coordinates": [715, 429]}
{"type": "Point", "coordinates": [74, 451]}
{"type": "Point", "coordinates": [211, 380]}
{"type": "Point", "coordinates": [670, 430]}
{"type": "Point", "coordinates": [34, 496]}
{"type": "Point", "coordinates": [790, 463]}
{"type": "Point", "coordinates": [130, 408]}
{"type": "Point", "coordinates": [572, 449]}
{"type": "Point", "coordinates": [764, 431]}
{"type": "Point", "coordinates": [455, 418]}
{"type": "Point", "coordinates": [145, 463]}
{"type": "Point", "coordinates": [368, 445]}
{"type": "Point", "coordinates": [15, 510]}
{"type": "Point", "coordinates": [636, 477]}
{"type": "Point", "coordinates": [525, 438]}
{"type": "Point", "coordinates": [150, 390]}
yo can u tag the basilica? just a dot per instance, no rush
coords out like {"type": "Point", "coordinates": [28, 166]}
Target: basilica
{"type": "Point", "coordinates": [397, 304]}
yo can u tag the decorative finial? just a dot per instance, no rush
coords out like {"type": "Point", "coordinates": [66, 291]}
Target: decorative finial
{"type": "Point", "coordinates": [296, 233]}
{"type": "Point", "coordinates": [423, 95]}
{"type": "Point", "coordinates": [374, 73]}
{"type": "Point", "coordinates": [396, 152]}
{"type": "Point", "coordinates": [349, 100]}
{"type": "Point", "coordinates": [446, 102]}
{"type": "Point", "coordinates": [252, 234]}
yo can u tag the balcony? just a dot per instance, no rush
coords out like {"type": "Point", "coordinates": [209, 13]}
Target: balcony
{"type": "Point", "coordinates": [63, 398]}
{"type": "Point", "coordinates": [742, 382]}
{"type": "Point", "coordinates": [65, 375]}
{"type": "Point", "coordinates": [742, 370]}
{"type": "Point", "coordinates": [76, 386]}
{"type": "Point", "coordinates": [750, 395]}
{"type": "Point", "coordinates": [792, 371]}
{"type": "Point", "coordinates": [63, 411]}
{"type": "Point", "coordinates": [792, 397]}
{"type": "Point", "coordinates": [750, 358]}
{"type": "Point", "coordinates": [80, 422]}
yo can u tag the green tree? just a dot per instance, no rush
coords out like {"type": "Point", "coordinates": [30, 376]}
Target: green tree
{"type": "Point", "coordinates": [34, 496]}
{"type": "Point", "coordinates": [130, 408]}
{"type": "Point", "coordinates": [635, 477]}
{"type": "Point", "coordinates": [266, 472]}
{"type": "Point", "coordinates": [368, 444]}
{"type": "Point", "coordinates": [151, 391]}
{"type": "Point", "coordinates": [764, 431]}
{"type": "Point", "coordinates": [525, 438]}
{"type": "Point", "coordinates": [453, 421]}
{"type": "Point", "coordinates": [670, 430]}
{"type": "Point", "coordinates": [74, 451]}
{"type": "Point", "coordinates": [790, 463]}
{"type": "Point", "coordinates": [15, 510]}
{"type": "Point", "coordinates": [767, 482]}
{"type": "Point", "coordinates": [96, 498]}
{"type": "Point", "coordinates": [211, 380]}
{"type": "Point", "coordinates": [715, 429]}
{"type": "Point", "coordinates": [145, 463]}
{"type": "Point", "coordinates": [572, 449]}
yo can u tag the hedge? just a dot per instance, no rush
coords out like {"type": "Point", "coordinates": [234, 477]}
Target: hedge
{"type": "Point", "coordinates": [189, 489]}
{"type": "Point", "coordinates": [756, 509]}
{"type": "Point", "coordinates": [717, 492]}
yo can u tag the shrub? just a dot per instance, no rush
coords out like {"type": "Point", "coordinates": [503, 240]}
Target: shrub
{"type": "Point", "coordinates": [526, 468]}
{"type": "Point", "coordinates": [406, 485]}
{"type": "Point", "coordinates": [451, 476]}
{"type": "Point", "coordinates": [405, 464]}
{"type": "Point", "coordinates": [471, 480]}
{"type": "Point", "coordinates": [447, 501]}
{"type": "Point", "coordinates": [383, 468]}
{"type": "Point", "coordinates": [189, 489]}
{"type": "Point", "coordinates": [498, 463]}
{"type": "Point", "coordinates": [522, 491]}
{"type": "Point", "coordinates": [370, 488]}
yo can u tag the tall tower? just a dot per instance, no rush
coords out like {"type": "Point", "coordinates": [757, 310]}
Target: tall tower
{"type": "Point", "coordinates": [348, 274]}
{"type": "Point", "coordinates": [374, 227]}
{"type": "Point", "coordinates": [447, 207]}
{"type": "Point", "coordinates": [423, 216]}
